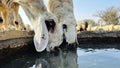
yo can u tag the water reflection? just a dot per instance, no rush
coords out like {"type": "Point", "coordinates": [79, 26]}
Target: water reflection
{"type": "Point", "coordinates": [41, 63]}
{"type": "Point", "coordinates": [61, 59]}
{"type": "Point", "coordinates": [82, 57]}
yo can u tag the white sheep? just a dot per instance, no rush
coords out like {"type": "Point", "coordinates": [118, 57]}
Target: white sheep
{"type": "Point", "coordinates": [37, 13]}
{"type": "Point", "coordinates": [82, 26]}
{"type": "Point", "coordinates": [5, 7]}
{"type": "Point", "coordinates": [63, 9]}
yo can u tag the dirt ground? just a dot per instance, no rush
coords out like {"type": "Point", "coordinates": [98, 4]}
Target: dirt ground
{"type": "Point", "coordinates": [14, 39]}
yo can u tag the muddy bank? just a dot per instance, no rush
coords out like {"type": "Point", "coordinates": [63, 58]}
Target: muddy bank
{"type": "Point", "coordinates": [99, 37]}
{"type": "Point", "coordinates": [14, 39]}
{"type": "Point", "coordinates": [12, 42]}
{"type": "Point", "coordinates": [16, 42]}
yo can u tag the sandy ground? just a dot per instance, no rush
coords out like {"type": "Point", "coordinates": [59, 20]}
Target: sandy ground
{"type": "Point", "coordinates": [14, 39]}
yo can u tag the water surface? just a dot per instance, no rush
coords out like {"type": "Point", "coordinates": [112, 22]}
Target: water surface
{"type": "Point", "coordinates": [98, 58]}
{"type": "Point", "coordinates": [78, 58]}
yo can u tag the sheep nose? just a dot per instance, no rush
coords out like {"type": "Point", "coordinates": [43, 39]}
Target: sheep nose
{"type": "Point", "coordinates": [64, 27]}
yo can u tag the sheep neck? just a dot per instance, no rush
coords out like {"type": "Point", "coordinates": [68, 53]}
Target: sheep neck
{"type": "Point", "coordinates": [34, 10]}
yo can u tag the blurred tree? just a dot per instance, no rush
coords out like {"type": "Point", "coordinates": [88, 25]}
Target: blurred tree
{"type": "Point", "coordinates": [109, 16]}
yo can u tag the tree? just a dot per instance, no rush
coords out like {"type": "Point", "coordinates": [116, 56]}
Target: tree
{"type": "Point", "coordinates": [109, 16]}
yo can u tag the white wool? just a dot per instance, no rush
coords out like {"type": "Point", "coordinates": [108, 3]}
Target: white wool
{"type": "Point", "coordinates": [70, 34]}
{"type": "Point", "coordinates": [55, 39]}
{"type": "Point", "coordinates": [37, 14]}
{"type": "Point", "coordinates": [40, 43]}
{"type": "Point", "coordinates": [6, 6]}
{"type": "Point", "coordinates": [28, 28]}
{"type": "Point", "coordinates": [63, 9]}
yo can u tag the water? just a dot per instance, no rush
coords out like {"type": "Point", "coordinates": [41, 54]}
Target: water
{"type": "Point", "coordinates": [98, 58]}
{"type": "Point", "coordinates": [78, 58]}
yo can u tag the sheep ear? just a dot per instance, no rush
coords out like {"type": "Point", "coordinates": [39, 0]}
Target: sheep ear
{"type": "Point", "coordinates": [41, 37]}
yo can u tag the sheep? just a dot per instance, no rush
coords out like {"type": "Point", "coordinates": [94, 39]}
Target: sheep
{"type": "Point", "coordinates": [27, 27]}
{"type": "Point", "coordinates": [38, 19]}
{"type": "Point", "coordinates": [89, 28]}
{"type": "Point", "coordinates": [21, 25]}
{"type": "Point", "coordinates": [63, 10]}
{"type": "Point", "coordinates": [11, 24]}
{"type": "Point", "coordinates": [108, 27]}
{"type": "Point", "coordinates": [82, 26]}
{"type": "Point", "coordinates": [1, 26]}
{"type": "Point", "coordinates": [14, 26]}
{"type": "Point", "coordinates": [5, 7]}
{"type": "Point", "coordinates": [101, 28]}
{"type": "Point", "coordinates": [117, 27]}
{"type": "Point", "coordinates": [96, 28]}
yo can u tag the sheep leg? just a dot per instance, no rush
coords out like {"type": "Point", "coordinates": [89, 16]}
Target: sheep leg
{"type": "Point", "coordinates": [4, 26]}
{"type": "Point", "coordinates": [15, 12]}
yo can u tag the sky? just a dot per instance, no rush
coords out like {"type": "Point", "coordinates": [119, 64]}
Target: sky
{"type": "Point", "coordinates": [84, 9]}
